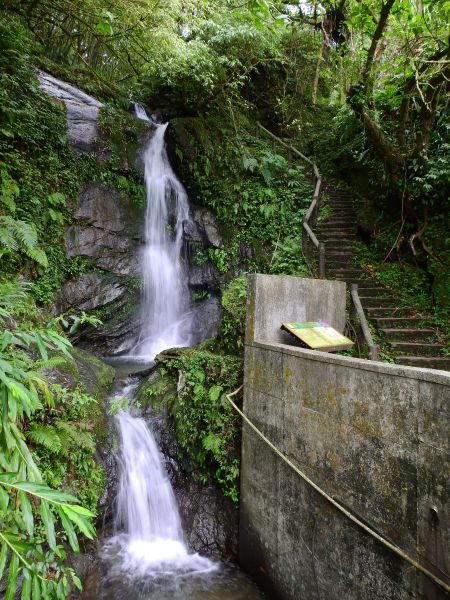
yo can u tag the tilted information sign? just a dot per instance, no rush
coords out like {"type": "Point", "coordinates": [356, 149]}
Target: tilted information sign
{"type": "Point", "coordinates": [318, 336]}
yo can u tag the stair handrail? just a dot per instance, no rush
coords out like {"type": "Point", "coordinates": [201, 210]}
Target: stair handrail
{"type": "Point", "coordinates": [373, 349]}
{"type": "Point", "coordinates": [309, 219]}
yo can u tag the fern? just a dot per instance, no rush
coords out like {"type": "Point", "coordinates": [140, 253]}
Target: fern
{"type": "Point", "coordinates": [12, 293]}
{"type": "Point", "coordinates": [9, 190]}
{"type": "Point", "coordinates": [80, 438]}
{"type": "Point", "coordinates": [46, 436]}
{"type": "Point", "coordinates": [7, 235]}
{"type": "Point", "coordinates": [18, 235]}
{"type": "Point", "coordinates": [50, 363]}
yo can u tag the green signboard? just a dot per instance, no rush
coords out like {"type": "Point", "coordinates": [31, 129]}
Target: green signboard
{"type": "Point", "coordinates": [318, 335]}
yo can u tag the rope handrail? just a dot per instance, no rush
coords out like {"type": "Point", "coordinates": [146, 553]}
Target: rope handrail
{"type": "Point", "coordinates": [306, 226]}
{"type": "Point", "coordinates": [440, 582]}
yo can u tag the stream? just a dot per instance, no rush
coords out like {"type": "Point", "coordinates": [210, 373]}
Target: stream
{"type": "Point", "coordinates": [147, 557]}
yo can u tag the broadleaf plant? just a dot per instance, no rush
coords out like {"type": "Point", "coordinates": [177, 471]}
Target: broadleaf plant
{"type": "Point", "coordinates": [35, 519]}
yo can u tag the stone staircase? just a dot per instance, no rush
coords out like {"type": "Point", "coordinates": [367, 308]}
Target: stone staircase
{"type": "Point", "coordinates": [411, 337]}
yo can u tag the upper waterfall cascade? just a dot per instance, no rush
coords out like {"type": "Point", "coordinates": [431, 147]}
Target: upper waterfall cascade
{"type": "Point", "coordinates": [166, 319]}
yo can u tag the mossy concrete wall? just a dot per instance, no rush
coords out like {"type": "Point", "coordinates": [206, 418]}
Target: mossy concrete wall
{"type": "Point", "coordinates": [372, 435]}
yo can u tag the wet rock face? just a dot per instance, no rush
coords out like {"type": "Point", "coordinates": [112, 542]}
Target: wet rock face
{"type": "Point", "coordinates": [204, 279]}
{"type": "Point", "coordinates": [203, 228]}
{"type": "Point", "coordinates": [82, 110]}
{"type": "Point", "coordinates": [89, 291]}
{"type": "Point", "coordinates": [108, 233]}
{"type": "Point", "coordinates": [100, 207]}
{"type": "Point", "coordinates": [206, 321]}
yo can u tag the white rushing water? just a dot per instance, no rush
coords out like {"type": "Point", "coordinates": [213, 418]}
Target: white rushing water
{"type": "Point", "coordinates": [167, 320]}
{"type": "Point", "coordinates": [150, 536]}
{"type": "Point", "coordinates": [149, 539]}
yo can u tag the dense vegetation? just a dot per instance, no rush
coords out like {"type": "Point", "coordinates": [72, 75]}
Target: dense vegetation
{"type": "Point", "coordinates": [361, 86]}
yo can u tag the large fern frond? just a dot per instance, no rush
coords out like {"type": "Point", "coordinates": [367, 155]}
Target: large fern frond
{"type": "Point", "coordinates": [82, 439]}
{"type": "Point", "coordinates": [7, 234]}
{"type": "Point", "coordinates": [18, 235]}
{"type": "Point", "coordinates": [46, 436]}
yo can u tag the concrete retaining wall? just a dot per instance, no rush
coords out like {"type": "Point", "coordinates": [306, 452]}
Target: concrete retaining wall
{"type": "Point", "coordinates": [373, 435]}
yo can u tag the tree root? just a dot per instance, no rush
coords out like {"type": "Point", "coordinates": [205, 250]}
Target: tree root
{"type": "Point", "coordinates": [419, 236]}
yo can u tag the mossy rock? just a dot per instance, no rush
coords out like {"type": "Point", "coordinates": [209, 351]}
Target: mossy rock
{"type": "Point", "coordinates": [96, 376]}
{"type": "Point", "coordinates": [158, 390]}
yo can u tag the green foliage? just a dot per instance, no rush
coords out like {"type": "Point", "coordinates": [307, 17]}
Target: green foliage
{"type": "Point", "coordinates": [207, 428]}
{"type": "Point", "coordinates": [119, 404]}
{"type": "Point", "coordinates": [258, 196]}
{"type": "Point", "coordinates": [232, 326]}
{"type": "Point", "coordinates": [35, 519]}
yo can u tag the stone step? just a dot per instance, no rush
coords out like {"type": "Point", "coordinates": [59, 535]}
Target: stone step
{"type": "Point", "coordinates": [402, 334]}
{"type": "Point", "coordinates": [344, 242]}
{"type": "Point", "coordinates": [338, 245]}
{"type": "Point", "coordinates": [338, 224]}
{"type": "Point", "coordinates": [342, 201]}
{"type": "Point", "coordinates": [401, 322]}
{"type": "Point", "coordinates": [334, 263]}
{"type": "Point", "coordinates": [350, 272]}
{"type": "Point", "coordinates": [330, 229]}
{"type": "Point", "coordinates": [344, 260]}
{"type": "Point", "coordinates": [336, 248]}
{"type": "Point", "coordinates": [375, 291]}
{"type": "Point", "coordinates": [387, 312]}
{"type": "Point", "coordinates": [378, 301]}
{"type": "Point", "coordinates": [335, 234]}
{"type": "Point", "coordinates": [337, 205]}
{"type": "Point", "coordinates": [427, 362]}
{"type": "Point", "coordinates": [364, 284]}
{"type": "Point", "coordinates": [418, 349]}
{"type": "Point", "coordinates": [331, 233]}
{"type": "Point", "coordinates": [347, 207]}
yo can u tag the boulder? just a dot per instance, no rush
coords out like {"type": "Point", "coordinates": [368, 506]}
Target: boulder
{"type": "Point", "coordinates": [119, 331]}
{"type": "Point", "coordinates": [108, 230]}
{"type": "Point", "coordinates": [82, 110]}
{"type": "Point", "coordinates": [93, 242]}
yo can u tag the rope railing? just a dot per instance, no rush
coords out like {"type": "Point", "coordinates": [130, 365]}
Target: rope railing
{"type": "Point", "coordinates": [332, 500]}
{"type": "Point", "coordinates": [309, 241]}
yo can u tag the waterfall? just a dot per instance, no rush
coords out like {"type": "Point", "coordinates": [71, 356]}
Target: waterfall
{"type": "Point", "coordinates": [149, 536]}
{"type": "Point", "coordinates": [147, 557]}
{"type": "Point", "coordinates": [146, 506]}
{"type": "Point", "coordinates": [166, 320]}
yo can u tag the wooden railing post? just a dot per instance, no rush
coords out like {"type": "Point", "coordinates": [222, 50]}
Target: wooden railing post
{"type": "Point", "coordinates": [322, 260]}
{"type": "Point", "coordinates": [373, 350]}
